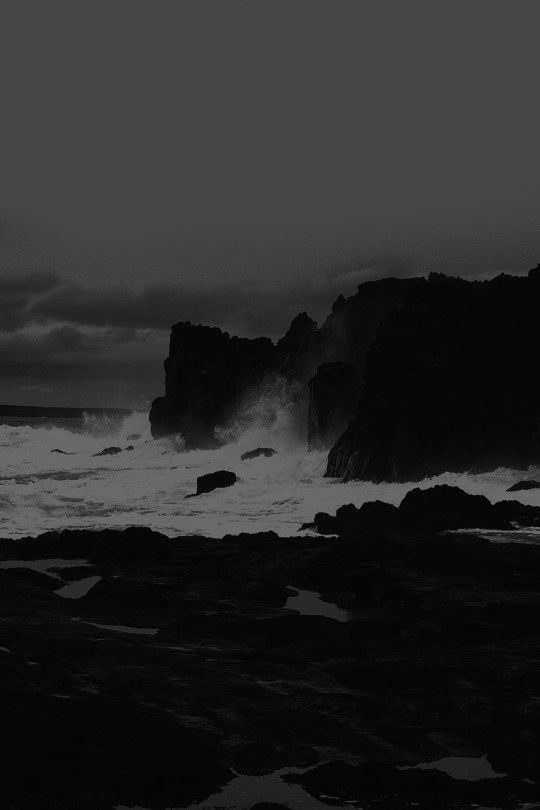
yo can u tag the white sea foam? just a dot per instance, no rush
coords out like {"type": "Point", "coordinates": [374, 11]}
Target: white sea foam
{"type": "Point", "coordinates": [42, 491]}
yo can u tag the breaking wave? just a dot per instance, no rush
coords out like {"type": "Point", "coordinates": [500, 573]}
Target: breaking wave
{"type": "Point", "coordinates": [42, 490]}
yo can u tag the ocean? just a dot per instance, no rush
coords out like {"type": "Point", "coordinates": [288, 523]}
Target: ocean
{"type": "Point", "coordinates": [41, 490]}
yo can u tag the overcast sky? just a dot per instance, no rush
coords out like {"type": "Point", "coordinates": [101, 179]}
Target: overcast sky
{"type": "Point", "coordinates": [237, 161]}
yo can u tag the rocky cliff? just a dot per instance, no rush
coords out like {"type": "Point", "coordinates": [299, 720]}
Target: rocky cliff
{"type": "Point", "coordinates": [407, 378]}
{"type": "Point", "coordinates": [451, 383]}
{"type": "Point", "coordinates": [208, 373]}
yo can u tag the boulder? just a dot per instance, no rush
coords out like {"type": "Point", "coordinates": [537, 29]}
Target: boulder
{"type": "Point", "coordinates": [444, 507]}
{"type": "Point", "coordinates": [215, 480]}
{"type": "Point", "coordinates": [267, 452]}
{"type": "Point", "coordinates": [109, 451]}
{"type": "Point", "coordinates": [523, 485]}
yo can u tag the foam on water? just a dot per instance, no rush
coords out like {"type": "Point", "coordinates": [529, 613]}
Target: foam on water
{"type": "Point", "coordinates": [42, 491]}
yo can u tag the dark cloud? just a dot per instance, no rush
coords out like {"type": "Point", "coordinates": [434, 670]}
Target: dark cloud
{"type": "Point", "coordinates": [70, 366]}
{"type": "Point", "coordinates": [27, 285]}
{"type": "Point", "coordinates": [251, 308]}
{"type": "Point", "coordinates": [18, 291]}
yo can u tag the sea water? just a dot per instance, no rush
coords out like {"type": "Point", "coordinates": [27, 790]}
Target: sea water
{"type": "Point", "coordinates": [147, 486]}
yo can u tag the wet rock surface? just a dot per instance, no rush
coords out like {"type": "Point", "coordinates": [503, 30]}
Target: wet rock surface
{"type": "Point", "coordinates": [267, 452]}
{"type": "Point", "coordinates": [215, 480]}
{"type": "Point", "coordinates": [523, 485]}
{"type": "Point", "coordinates": [440, 659]}
{"type": "Point", "coordinates": [109, 451]}
{"type": "Point", "coordinates": [439, 508]}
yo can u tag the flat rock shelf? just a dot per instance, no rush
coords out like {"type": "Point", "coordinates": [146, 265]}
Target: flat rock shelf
{"type": "Point", "coordinates": [378, 669]}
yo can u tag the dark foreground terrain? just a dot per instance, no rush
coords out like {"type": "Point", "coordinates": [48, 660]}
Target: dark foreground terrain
{"type": "Point", "coordinates": [440, 657]}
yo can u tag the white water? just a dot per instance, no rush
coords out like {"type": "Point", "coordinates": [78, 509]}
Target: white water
{"type": "Point", "coordinates": [42, 491]}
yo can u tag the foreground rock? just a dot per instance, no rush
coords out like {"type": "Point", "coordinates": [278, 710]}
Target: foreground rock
{"type": "Point", "coordinates": [435, 509]}
{"type": "Point", "coordinates": [267, 452]}
{"type": "Point", "coordinates": [523, 485]}
{"type": "Point", "coordinates": [440, 658]}
{"type": "Point", "coordinates": [109, 451]}
{"type": "Point", "coordinates": [399, 786]}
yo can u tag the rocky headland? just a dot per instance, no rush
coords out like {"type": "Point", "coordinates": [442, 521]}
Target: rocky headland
{"type": "Point", "coordinates": [407, 378]}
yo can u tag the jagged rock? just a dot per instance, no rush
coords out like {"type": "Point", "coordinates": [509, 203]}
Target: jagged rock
{"type": "Point", "coordinates": [109, 451]}
{"type": "Point", "coordinates": [215, 480]}
{"type": "Point", "coordinates": [449, 384]}
{"type": "Point", "coordinates": [333, 398]}
{"type": "Point", "coordinates": [208, 373]}
{"type": "Point", "coordinates": [62, 452]}
{"type": "Point", "coordinates": [523, 485]}
{"type": "Point", "coordinates": [438, 508]}
{"type": "Point", "coordinates": [373, 516]}
{"type": "Point", "coordinates": [438, 373]}
{"type": "Point", "coordinates": [267, 452]}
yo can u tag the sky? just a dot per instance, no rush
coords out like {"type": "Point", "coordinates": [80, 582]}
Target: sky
{"type": "Point", "coordinates": [235, 162]}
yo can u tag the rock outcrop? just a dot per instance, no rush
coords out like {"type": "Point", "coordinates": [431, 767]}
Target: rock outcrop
{"type": "Point", "coordinates": [523, 485]}
{"type": "Point", "coordinates": [436, 509]}
{"type": "Point", "coordinates": [451, 383]}
{"type": "Point", "coordinates": [266, 452]}
{"type": "Point", "coordinates": [407, 378]}
{"type": "Point", "coordinates": [208, 374]}
{"type": "Point", "coordinates": [215, 480]}
{"type": "Point", "coordinates": [333, 396]}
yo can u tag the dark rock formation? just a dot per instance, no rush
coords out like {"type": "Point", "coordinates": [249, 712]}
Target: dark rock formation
{"type": "Point", "coordinates": [109, 451]}
{"type": "Point", "coordinates": [450, 384]}
{"type": "Point", "coordinates": [267, 452]}
{"type": "Point", "coordinates": [523, 485]}
{"type": "Point", "coordinates": [397, 786]}
{"type": "Point", "coordinates": [407, 378]}
{"type": "Point", "coordinates": [435, 509]}
{"type": "Point", "coordinates": [215, 480]}
{"type": "Point", "coordinates": [440, 660]}
{"type": "Point", "coordinates": [333, 397]}
{"type": "Point", "coordinates": [208, 374]}
{"type": "Point", "coordinates": [62, 452]}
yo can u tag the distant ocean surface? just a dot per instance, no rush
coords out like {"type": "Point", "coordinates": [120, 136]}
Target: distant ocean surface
{"type": "Point", "coordinates": [43, 491]}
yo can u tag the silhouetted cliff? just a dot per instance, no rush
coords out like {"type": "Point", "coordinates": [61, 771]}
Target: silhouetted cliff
{"type": "Point", "coordinates": [208, 373]}
{"type": "Point", "coordinates": [406, 378]}
{"type": "Point", "coordinates": [451, 383]}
